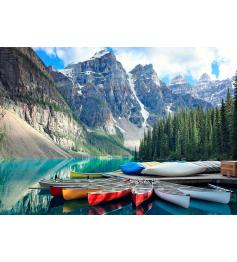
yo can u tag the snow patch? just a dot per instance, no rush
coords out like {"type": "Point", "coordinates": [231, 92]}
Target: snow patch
{"type": "Point", "coordinates": [168, 109]}
{"type": "Point", "coordinates": [99, 54]}
{"type": "Point", "coordinates": [144, 112]}
{"type": "Point", "coordinates": [67, 72]}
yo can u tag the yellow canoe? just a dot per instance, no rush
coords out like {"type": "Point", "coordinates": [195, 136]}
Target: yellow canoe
{"type": "Point", "coordinates": [150, 164]}
{"type": "Point", "coordinates": [74, 174]}
{"type": "Point", "coordinates": [76, 193]}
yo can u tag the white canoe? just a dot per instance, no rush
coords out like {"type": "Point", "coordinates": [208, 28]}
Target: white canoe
{"type": "Point", "coordinates": [171, 169]}
{"type": "Point", "coordinates": [171, 195]}
{"type": "Point", "coordinates": [213, 195]}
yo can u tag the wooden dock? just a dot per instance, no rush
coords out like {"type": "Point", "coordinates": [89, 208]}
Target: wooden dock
{"type": "Point", "coordinates": [216, 178]}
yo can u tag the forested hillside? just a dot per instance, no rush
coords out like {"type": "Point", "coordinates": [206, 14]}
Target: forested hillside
{"type": "Point", "coordinates": [196, 134]}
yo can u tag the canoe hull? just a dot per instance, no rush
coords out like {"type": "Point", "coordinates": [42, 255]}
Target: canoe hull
{"type": "Point", "coordinates": [174, 169]}
{"type": "Point", "coordinates": [138, 199]}
{"type": "Point", "coordinates": [74, 193]}
{"type": "Point", "coordinates": [180, 200]}
{"type": "Point", "coordinates": [103, 197]}
{"type": "Point", "coordinates": [74, 174]}
{"type": "Point", "coordinates": [55, 191]}
{"type": "Point", "coordinates": [213, 196]}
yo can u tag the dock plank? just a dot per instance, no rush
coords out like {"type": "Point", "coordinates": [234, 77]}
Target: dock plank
{"type": "Point", "coordinates": [198, 179]}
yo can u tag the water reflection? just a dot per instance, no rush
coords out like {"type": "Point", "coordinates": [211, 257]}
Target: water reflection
{"type": "Point", "coordinates": [17, 176]}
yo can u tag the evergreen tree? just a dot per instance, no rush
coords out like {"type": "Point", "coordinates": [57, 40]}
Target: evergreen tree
{"type": "Point", "coordinates": [234, 123]}
{"type": "Point", "coordinates": [135, 154]}
{"type": "Point", "coordinates": [224, 131]}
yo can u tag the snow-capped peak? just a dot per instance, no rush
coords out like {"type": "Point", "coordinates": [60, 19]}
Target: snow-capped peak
{"type": "Point", "coordinates": [204, 78]}
{"type": "Point", "coordinates": [178, 80]}
{"type": "Point", "coordinates": [100, 53]}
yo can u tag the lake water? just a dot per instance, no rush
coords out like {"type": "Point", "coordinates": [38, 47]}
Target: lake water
{"type": "Point", "coordinates": [17, 177]}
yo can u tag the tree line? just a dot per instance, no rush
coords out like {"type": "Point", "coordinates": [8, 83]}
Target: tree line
{"type": "Point", "coordinates": [195, 134]}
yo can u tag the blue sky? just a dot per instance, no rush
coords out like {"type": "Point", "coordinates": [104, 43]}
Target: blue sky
{"type": "Point", "coordinates": [168, 62]}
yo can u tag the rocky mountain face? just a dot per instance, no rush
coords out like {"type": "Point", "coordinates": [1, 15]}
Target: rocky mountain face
{"type": "Point", "coordinates": [98, 92]}
{"type": "Point", "coordinates": [158, 99]}
{"type": "Point", "coordinates": [179, 85]}
{"type": "Point", "coordinates": [27, 88]}
{"type": "Point", "coordinates": [212, 91]}
{"type": "Point", "coordinates": [101, 93]}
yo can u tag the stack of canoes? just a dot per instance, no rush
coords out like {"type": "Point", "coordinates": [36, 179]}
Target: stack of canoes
{"type": "Point", "coordinates": [105, 190]}
{"type": "Point", "coordinates": [170, 169]}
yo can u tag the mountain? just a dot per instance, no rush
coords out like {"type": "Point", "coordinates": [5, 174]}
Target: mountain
{"type": "Point", "coordinates": [212, 91]}
{"type": "Point", "coordinates": [98, 92]}
{"type": "Point", "coordinates": [28, 92]}
{"type": "Point", "coordinates": [93, 106]}
{"type": "Point", "coordinates": [158, 99]}
{"type": "Point", "coordinates": [179, 85]}
{"type": "Point", "coordinates": [102, 95]}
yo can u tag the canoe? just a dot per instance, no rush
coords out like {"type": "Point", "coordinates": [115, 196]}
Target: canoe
{"type": "Point", "coordinates": [107, 195]}
{"type": "Point", "coordinates": [171, 169]}
{"type": "Point", "coordinates": [74, 174]}
{"type": "Point", "coordinates": [171, 195]}
{"type": "Point", "coordinates": [141, 192]}
{"type": "Point", "coordinates": [133, 168]}
{"type": "Point", "coordinates": [47, 183]}
{"type": "Point", "coordinates": [77, 193]}
{"type": "Point", "coordinates": [213, 195]}
{"type": "Point", "coordinates": [150, 164]}
{"type": "Point", "coordinates": [55, 191]}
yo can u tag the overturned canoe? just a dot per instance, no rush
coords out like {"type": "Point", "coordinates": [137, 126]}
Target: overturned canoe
{"type": "Point", "coordinates": [74, 174]}
{"type": "Point", "coordinates": [171, 195]}
{"type": "Point", "coordinates": [141, 192]}
{"type": "Point", "coordinates": [213, 195]}
{"type": "Point", "coordinates": [107, 195]}
{"type": "Point", "coordinates": [171, 169]}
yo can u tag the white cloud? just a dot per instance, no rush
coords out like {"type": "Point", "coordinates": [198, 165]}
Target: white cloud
{"type": "Point", "coordinates": [227, 60]}
{"type": "Point", "coordinates": [167, 61]}
{"type": "Point", "coordinates": [76, 54]}
{"type": "Point", "coordinates": [70, 54]}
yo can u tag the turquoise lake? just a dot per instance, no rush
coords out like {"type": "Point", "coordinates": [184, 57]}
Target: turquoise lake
{"type": "Point", "coordinates": [19, 178]}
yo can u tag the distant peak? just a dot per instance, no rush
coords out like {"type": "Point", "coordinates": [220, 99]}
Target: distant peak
{"type": "Point", "coordinates": [146, 68]}
{"type": "Point", "coordinates": [204, 78]}
{"type": "Point", "coordinates": [101, 53]}
{"type": "Point", "coordinates": [178, 80]}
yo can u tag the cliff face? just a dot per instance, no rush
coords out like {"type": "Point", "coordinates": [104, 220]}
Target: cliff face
{"type": "Point", "coordinates": [27, 88]}
{"type": "Point", "coordinates": [158, 99]}
{"type": "Point", "coordinates": [98, 92]}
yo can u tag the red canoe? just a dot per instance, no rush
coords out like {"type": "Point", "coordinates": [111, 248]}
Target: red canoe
{"type": "Point", "coordinates": [106, 195]}
{"type": "Point", "coordinates": [56, 191]}
{"type": "Point", "coordinates": [141, 193]}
